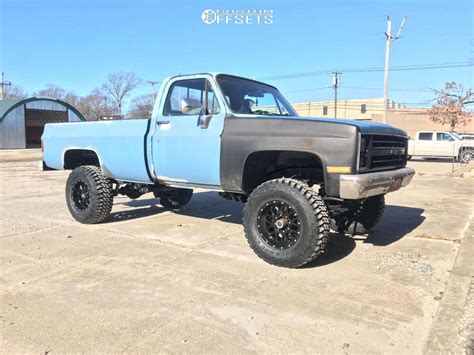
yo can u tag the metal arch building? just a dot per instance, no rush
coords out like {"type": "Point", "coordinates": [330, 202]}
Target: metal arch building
{"type": "Point", "coordinates": [22, 120]}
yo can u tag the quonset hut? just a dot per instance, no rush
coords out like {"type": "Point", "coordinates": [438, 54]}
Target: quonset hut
{"type": "Point", "coordinates": [22, 120]}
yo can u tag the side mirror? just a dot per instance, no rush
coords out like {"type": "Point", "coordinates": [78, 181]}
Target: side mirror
{"type": "Point", "coordinates": [204, 121]}
{"type": "Point", "coordinates": [451, 139]}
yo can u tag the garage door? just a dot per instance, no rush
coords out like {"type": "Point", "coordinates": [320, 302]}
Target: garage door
{"type": "Point", "coordinates": [35, 121]}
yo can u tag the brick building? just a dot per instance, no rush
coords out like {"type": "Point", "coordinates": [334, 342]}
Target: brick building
{"type": "Point", "coordinates": [409, 119]}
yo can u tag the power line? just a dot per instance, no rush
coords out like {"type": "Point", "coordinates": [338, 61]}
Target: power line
{"type": "Point", "coordinates": [354, 87]}
{"type": "Point", "coordinates": [305, 90]}
{"type": "Point", "coordinates": [371, 69]}
{"type": "Point", "coordinates": [365, 88]}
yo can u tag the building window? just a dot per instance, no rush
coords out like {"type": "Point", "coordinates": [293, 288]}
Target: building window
{"type": "Point", "coordinates": [325, 110]}
{"type": "Point", "coordinates": [363, 108]}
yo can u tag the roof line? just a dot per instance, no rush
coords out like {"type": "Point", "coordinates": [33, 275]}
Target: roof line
{"type": "Point", "coordinates": [30, 99]}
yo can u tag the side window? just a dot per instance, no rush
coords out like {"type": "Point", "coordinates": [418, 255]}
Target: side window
{"type": "Point", "coordinates": [188, 97]}
{"type": "Point", "coordinates": [441, 136]}
{"type": "Point", "coordinates": [425, 136]}
{"type": "Point", "coordinates": [325, 110]}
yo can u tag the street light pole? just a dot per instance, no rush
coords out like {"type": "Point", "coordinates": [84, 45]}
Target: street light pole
{"type": "Point", "coordinates": [153, 93]}
{"type": "Point", "coordinates": [387, 58]}
{"type": "Point", "coordinates": [3, 84]}
{"type": "Point", "coordinates": [390, 39]}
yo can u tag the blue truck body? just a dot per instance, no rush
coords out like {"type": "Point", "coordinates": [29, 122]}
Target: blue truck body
{"type": "Point", "coordinates": [299, 177]}
{"type": "Point", "coordinates": [176, 153]}
{"type": "Point", "coordinates": [142, 151]}
{"type": "Point", "coordinates": [114, 142]}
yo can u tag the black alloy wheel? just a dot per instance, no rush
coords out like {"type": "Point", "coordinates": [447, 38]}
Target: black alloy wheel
{"type": "Point", "coordinates": [278, 224]}
{"type": "Point", "coordinates": [81, 197]}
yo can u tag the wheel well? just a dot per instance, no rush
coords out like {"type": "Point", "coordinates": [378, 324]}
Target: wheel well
{"type": "Point", "coordinates": [266, 165]}
{"type": "Point", "coordinates": [77, 157]}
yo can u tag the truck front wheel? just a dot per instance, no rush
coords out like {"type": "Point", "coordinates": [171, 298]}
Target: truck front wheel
{"type": "Point", "coordinates": [89, 195]}
{"type": "Point", "coordinates": [286, 222]}
{"type": "Point", "coordinates": [174, 199]}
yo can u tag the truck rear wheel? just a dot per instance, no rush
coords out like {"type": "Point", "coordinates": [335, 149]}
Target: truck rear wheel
{"type": "Point", "coordinates": [371, 211]}
{"type": "Point", "coordinates": [174, 199]}
{"type": "Point", "coordinates": [89, 195]}
{"type": "Point", "coordinates": [286, 222]}
{"type": "Point", "coordinates": [466, 155]}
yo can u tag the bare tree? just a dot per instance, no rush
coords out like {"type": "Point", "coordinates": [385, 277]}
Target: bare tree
{"type": "Point", "coordinates": [72, 98]}
{"type": "Point", "coordinates": [449, 106]}
{"type": "Point", "coordinates": [141, 107]}
{"type": "Point", "coordinates": [51, 90]}
{"type": "Point", "coordinates": [94, 105]}
{"type": "Point", "coordinates": [14, 92]}
{"type": "Point", "coordinates": [119, 85]}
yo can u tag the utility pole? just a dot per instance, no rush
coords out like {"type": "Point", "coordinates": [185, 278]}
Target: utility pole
{"type": "Point", "coordinates": [153, 92]}
{"type": "Point", "coordinates": [336, 80]}
{"type": "Point", "coordinates": [3, 84]}
{"type": "Point", "coordinates": [390, 39]}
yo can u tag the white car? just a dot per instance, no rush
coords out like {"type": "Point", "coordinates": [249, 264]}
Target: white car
{"type": "Point", "coordinates": [437, 144]}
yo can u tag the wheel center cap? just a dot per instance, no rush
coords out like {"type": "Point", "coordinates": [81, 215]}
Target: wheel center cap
{"type": "Point", "coordinates": [83, 195]}
{"type": "Point", "coordinates": [281, 223]}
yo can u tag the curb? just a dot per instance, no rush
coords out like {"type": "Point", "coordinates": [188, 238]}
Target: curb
{"type": "Point", "coordinates": [449, 331]}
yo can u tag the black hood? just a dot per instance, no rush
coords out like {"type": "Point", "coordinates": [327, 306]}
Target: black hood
{"type": "Point", "coordinates": [364, 127]}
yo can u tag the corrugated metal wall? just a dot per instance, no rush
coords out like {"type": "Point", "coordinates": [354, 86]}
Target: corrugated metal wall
{"type": "Point", "coordinates": [72, 117]}
{"type": "Point", "coordinates": [12, 128]}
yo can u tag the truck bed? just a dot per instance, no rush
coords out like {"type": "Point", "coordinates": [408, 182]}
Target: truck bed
{"type": "Point", "coordinates": [119, 145]}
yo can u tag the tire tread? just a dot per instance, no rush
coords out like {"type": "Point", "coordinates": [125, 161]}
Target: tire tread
{"type": "Point", "coordinates": [104, 192]}
{"type": "Point", "coordinates": [316, 245]}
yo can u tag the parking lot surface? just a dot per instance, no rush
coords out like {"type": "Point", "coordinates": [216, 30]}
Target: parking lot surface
{"type": "Point", "coordinates": [154, 280]}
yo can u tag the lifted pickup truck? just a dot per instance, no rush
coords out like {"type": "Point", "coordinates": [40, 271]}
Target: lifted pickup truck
{"type": "Point", "coordinates": [299, 177]}
{"type": "Point", "coordinates": [441, 145]}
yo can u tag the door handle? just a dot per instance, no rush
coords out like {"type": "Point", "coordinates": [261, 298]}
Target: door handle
{"type": "Point", "coordinates": [162, 122]}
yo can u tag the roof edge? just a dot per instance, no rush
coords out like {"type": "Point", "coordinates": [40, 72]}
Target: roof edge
{"type": "Point", "coordinates": [35, 98]}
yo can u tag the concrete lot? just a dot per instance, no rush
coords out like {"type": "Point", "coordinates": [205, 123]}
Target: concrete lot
{"type": "Point", "coordinates": [151, 280]}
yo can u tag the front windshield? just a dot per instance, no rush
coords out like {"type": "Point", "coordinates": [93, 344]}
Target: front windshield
{"type": "Point", "coordinates": [457, 136]}
{"type": "Point", "coordinates": [253, 98]}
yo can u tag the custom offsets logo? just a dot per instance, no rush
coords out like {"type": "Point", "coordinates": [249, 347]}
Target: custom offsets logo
{"type": "Point", "coordinates": [237, 17]}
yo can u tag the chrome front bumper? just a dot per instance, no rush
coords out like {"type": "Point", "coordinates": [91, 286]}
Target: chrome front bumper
{"type": "Point", "coordinates": [371, 184]}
